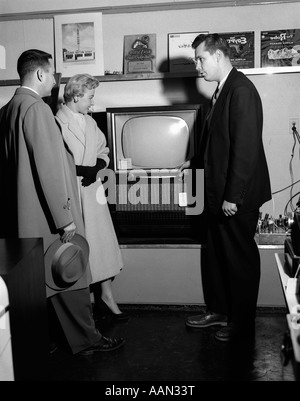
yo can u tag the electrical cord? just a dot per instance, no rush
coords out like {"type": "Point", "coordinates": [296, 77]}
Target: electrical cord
{"type": "Point", "coordinates": [291, 169]}
{"type": "Point", "coordinates": [296, 138]}
{"type": "Point", "coordinates": [289, 201]}
{"type": "Point", "coordinates": [283, 189]}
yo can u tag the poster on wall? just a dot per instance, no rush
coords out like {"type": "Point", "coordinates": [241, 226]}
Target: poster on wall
{"type": "Point", "coordinates": [280, 48]}
{"type": "Point", "coordinates": [242, 48]}
{"type": "Point", "coordinates": [139, 53]}
{"type": "Point", "coordinates": [79, 44]}
{"type": "Point", "coordinates": [181, 54]}
{"type": "Point", "coordinates": [2, 58]}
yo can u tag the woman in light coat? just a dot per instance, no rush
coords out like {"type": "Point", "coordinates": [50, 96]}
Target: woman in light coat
{"type": "Point", "coordinates": [87, 143]}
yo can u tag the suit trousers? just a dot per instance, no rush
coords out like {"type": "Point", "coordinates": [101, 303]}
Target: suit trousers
{"type": "Point", "coordinates": [231, 268]}
{"type": "Point", "coordinates": [74, 312]}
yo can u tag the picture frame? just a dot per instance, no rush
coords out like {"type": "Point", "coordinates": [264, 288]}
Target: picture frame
{"type": "Point", "coordinates": [280, 50]}
{"type": "Point", "coordinates": [242, 45]}
{"type": "Point", "coordinates": [180, 52]}
{"type": "Point", "coordinates": [2, 58]}
{"type": "Point", "coordinates": [79, 44]}
{"type": "Point", "coordinates": [139, 55]}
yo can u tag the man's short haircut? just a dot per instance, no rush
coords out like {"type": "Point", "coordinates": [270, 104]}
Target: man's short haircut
{"type": "Point", "coordinates": [30, 60]}
{"type": "Point", "coordinates": [78, 84]}
{"type": "Point", "coordinates": [212, 42]}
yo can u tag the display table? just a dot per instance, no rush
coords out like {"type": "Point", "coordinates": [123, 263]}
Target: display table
{"type": "Point", "coordinates": [22, 269]}
{"type": "Point", "coordinates": [292, 301]}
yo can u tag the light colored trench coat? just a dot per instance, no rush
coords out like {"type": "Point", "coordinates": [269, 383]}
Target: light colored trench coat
{"type": "Point", "coordinates": [37, 176]}
{"type": "Point", "coordinates": [105, 256]}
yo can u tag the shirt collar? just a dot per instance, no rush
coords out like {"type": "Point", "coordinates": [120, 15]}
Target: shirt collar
{"type": "Point", "coordinates": [27, 87]}
{"type": "Point", "coordinates": [221, 83]}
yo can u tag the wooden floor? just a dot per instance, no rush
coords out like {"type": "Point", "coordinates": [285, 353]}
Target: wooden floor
{"type": "Point", "coordinates": [160, 348]}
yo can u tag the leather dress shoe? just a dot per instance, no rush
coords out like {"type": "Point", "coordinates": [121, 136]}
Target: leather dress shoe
{"type": "Point", "coordinates": [234, 334]}
{"type": "Point", "coordinates": [104, 344]}
{"type": "Point", "coordinates": [226, 334]}
{"type": "Point", "coordinates": [206, 320]}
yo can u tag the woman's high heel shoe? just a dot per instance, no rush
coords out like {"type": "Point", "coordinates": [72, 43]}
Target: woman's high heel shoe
{"type": "Point", "coordinates": [105, 311]}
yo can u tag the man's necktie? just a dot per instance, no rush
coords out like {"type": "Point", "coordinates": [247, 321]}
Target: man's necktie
{"type": "Point", "coordinates": [215, 96]}
{"type": "Point", "coordinates": [212, 102]}
{"type": "Point", "coordinates": [207, 123]}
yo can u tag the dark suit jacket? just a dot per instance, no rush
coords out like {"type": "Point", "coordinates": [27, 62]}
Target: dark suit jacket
{"type": "Point", "coordinates": [234, 161]}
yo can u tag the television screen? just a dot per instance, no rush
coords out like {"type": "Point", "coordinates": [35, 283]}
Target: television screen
{"type": "Point", "coordinates": [152, 138]}
{"type": "Point", "coordinates": [155, 141]}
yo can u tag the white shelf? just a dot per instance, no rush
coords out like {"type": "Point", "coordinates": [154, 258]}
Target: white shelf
{"type": "Point", "coordinates": [167, 75]}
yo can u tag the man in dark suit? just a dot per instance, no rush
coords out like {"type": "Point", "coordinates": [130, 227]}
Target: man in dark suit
{"type": "Point", "coordinates": [236, 185]}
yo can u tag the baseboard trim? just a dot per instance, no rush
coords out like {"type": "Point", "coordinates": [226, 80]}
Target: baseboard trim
{"type": "Point", "coordinates": [261, 310]}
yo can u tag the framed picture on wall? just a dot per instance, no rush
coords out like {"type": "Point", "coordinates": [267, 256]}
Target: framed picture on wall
{"type": "Point", "coordinates": [2, 58]}
{"type": "Point", "coordinates": [180, 52]}
{"type": "Point", "coordinates": [242, 49]}
{"type": "Point", "coordinates": [79, 44]}
{"type": "Point", "coordinates": [139, 53]}
{"type": "Point", "coordinates": [280, 48]}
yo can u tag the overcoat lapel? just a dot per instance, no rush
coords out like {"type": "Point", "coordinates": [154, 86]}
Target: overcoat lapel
{"type": "Point", "coordinates": [86, 140]}
{"type": "Point", "coordinates": [67, 118]}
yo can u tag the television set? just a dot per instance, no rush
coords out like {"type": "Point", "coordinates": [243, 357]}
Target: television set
{"type": "Point", "coordinates": [148, 145]}
{"type": "Point", "coordinates": [158, 140]}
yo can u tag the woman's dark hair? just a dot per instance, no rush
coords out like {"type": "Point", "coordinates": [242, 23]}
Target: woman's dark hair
{"type": "Point", "coordinates": [30, 60]}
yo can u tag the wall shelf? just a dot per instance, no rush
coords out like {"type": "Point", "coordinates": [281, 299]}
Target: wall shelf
{"type": "Point", "coordinates": [143, 76]}
{"type": "Point", "coordinates": [121, 77]}
{"type": "Point", "coordinates": [166, 75]}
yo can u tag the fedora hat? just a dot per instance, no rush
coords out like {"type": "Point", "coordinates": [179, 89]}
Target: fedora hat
{"type": "Point", "coordinates": [66, 263]}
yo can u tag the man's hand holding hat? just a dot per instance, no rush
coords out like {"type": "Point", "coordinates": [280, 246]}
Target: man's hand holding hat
{"type": "Point", "coordinates": [68, 233]}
